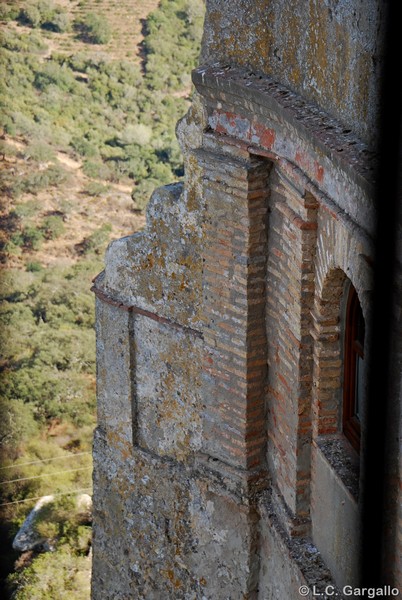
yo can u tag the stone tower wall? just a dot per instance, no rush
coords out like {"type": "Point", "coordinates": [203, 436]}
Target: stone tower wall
{"type": "Point", "coordinates": [220, 468]}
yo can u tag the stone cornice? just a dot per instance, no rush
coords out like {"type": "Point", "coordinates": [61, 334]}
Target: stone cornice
{"type": "Point", "coordinates": [261, 95]}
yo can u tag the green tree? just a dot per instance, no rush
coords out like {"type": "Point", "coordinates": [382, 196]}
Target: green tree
{"type": "Point", "coordinates": [30, 15]}
{"type": "Point", "coordinates": [17, 424]}
{"type": "Point", "coordinates": [44, 14]}
{"type": "Point", "coordinates": [62, 575]}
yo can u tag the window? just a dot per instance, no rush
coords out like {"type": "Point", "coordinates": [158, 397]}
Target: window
{"type": "Point", "coordinates": [353, 384]}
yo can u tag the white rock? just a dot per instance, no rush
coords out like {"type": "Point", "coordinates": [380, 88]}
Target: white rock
{"type": "Point", "coordinates": [27, 537]}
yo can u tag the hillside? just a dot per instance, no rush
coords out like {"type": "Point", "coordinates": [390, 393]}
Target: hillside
{"type": "Point", "coordinates": [90, 92]}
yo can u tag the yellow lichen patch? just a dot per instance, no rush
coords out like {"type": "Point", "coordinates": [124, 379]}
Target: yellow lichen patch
{"type": "Point", "coordinates": [171, 576]}
{"type": "Point", "coordinates": [150, 261]}
{"type": "Point", "coordinates": [192, 200]}
{"type": "Point", "coordinates": [318, 48]}
{"type": "Point", "coordinates": [183, 284]}
{"type": "Point", "coordinates": [118, 439]}
{"type": "Point", "coordinates": [290, 36]}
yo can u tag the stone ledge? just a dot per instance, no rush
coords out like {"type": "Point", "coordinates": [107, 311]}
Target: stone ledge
{"type": "Point", "coordinates": [251, 113]}
{"type": "Point", "coordinates": [300, 551]}
{"type": "Point", "coordinates": [342, 459]}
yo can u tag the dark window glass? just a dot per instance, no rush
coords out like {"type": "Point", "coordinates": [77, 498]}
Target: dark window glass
{"type": "Point", "coordinates": [353, 369]}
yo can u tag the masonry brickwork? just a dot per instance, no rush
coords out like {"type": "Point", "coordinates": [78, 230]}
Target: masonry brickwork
{"type": "Point", "coordinates": [220, 466]}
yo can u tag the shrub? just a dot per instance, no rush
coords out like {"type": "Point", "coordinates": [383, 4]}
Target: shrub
{"type": "Point", "coordinates": [17, 42]}
{"type": "Point", "coordinates": [17, 240]}
{"type": "Point", "coordinates": [8, 125]}
{"type": "Point", "coordinates": [34, 267]}
{"type": "Point", "coordinates": [93, 29]}
{"type": "Point", "coordinates": [96, 169]}
{"type": "Point", "coordinates": [8, 13]}
{"type": "Point", "coordinates": [37, 181]}
{"type": "Point", "coordinates": [84, 147]}
{"type": "Point", "coordinates": [172, 44]}
{"type": "Point", "coordinates": [62, 521]}
{"type": "Point", "coordinates": [7, 150]}
{"type": "Point", "coordinates": [60, 574]}
{"type": "Point", "coordinates": [28, 237]}
{"type": "Point", "coordinates": [39, 151]}
{"type": "Point", "coordinates": [11, 249]}
{"type": "Point", "coordinates": [52, 73]}
{"type": "Point", "coordinates": [32, 237]}
{"type": "Point", "coordinates": [53, 227]}
{"type": "Point", "coordinates": [94, 188]}
{"type": "Point", "coordinates": [52, 388]}
{"type": "Point", "coordinates": [161, 172]}
{"type": "Point", "coordinates": [97, 241]}
{"type": "Point", "coordinates": [23, 124]}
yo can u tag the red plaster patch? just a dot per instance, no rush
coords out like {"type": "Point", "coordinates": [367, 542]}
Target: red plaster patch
{"type": "Point", "coordinates": [232, 124]}
{"type": "Point", "coordinates": [231, 117]}
{"type": "Point", "coordinates": [263, 136]}
{"type": "Point", "coordinates": [302, 161]}
{"type": "Point", "coordinates": [220, 128]}
{"type": "Point", "coordinates": [331, 212]}
{"type": "Point", "coordinates": [305, 163]}
{"type": "Point", "coordinates": [319, 172]}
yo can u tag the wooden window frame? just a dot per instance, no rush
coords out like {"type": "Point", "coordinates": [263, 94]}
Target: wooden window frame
{"type": "Point", "coordinates": [353, 350]}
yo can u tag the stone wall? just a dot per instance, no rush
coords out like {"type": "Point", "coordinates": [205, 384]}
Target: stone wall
{"type": "Point", "coordinates": [220, 467]}
{"type": "Point", "coordinates": [326, 51]}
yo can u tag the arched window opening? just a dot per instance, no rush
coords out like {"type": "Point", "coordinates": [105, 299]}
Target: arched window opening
{"type": "Point", "coordinates": [353, 384]}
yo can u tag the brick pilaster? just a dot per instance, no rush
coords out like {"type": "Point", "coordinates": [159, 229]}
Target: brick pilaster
{"type": "Point", "coordinates": [234, 297]}
{"type": "Point", "coordinates": [327, 396]}
{"type": "Point", "coordinates": [290, 281]}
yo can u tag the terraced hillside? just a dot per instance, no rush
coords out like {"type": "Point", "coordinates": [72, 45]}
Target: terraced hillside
{"type": "Point", "coordinates": [86, 132]}
{"type": "Point", "coordinates": [125, 19]}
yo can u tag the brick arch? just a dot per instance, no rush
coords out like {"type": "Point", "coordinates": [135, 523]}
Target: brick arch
{"type": "Point", "coordinates": [341, 258]}
{"type": "Point", "coordinates": [340, 254]}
